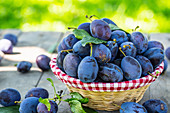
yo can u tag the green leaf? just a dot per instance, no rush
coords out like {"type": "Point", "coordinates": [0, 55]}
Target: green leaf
{"type": "Point", "coordinates": [89, 110]}
{"type": "Point", "coordinates": [114, 27]}
{"type": "Point", "coordinates": [70, 99]}
{"type": "Point", "coordinates": [76, 106]}
{"type": "Point", "coordinates": [86, 38]}
{"type": "Point", "coordinates": [76, 95]}
{"type": "Point", "coordinates": [10, 109]}
{"type": "Point", "coordinates": [80, 33]}
{"type": "Point", "coordinates": [84, 100]}
{"type": "Point", "coordinates": [46, 102]}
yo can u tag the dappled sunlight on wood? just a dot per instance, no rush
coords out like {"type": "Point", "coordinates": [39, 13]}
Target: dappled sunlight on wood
{"type": "Point", "coordinates": [28, 53]}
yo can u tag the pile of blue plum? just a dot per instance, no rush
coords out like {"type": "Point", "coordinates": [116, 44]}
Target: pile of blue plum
{"type": "Point", "coordinates": [121, 57]}
{"type": "Point", "coordinates": [31, 104]}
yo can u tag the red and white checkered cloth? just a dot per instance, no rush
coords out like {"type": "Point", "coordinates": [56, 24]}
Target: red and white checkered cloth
{"type": "Point", "coordinates": [104, 87]}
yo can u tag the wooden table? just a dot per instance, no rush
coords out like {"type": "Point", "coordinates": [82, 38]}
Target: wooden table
{"type": "Point", "coordinates": [32, 44]}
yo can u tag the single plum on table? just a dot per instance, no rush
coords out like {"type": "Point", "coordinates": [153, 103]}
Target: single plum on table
{"type": "Point", "coordinates": [29, 105]}
{"type": "Point", "coordinates": [6, 46]}
{"type": "Point", "coordinates": [13, 38]}
{"type": "Point", "coordinates": [24, 66]}
{"type": "Point", "coordinates": [8, 97]}
{"type": "Point", "coordinates": [155, 106]}
{"type": "Point", "coordinates": [132, 107]}
{"type": "Point", "coordinates": [37, 92]}
{"type": "Point", "coordinates": [42, 62]}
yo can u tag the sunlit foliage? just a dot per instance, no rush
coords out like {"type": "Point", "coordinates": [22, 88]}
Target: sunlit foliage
{"type": "Point", "coordinates": [57, 15]}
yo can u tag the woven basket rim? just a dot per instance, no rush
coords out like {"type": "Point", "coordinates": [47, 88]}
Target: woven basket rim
{"type": "Point", "coordinates": [68, 79]}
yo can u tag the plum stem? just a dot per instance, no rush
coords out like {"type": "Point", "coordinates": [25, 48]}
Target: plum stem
{"type": "Point", "coordinates": [152, 75]}
{"type": "Point", "coordinates": [72, 28]}
{"type": "Point", "coordinates": [94, 16]}
{"type": "Point", "coordinates": [88, 18]}
{"type": "Point", "coordinates": [126, 46]}
{"type": "Point", "coordinates": [91, 49]}
{"type": "Point", "coordinates": [18, 102]}
{"type": "Point", "coordinates": [135, 28]}
{"type": "Point", "coordinates": [121, 51]}
{"type": "Point", "coordinates": [68, 50]}
{"type": "Point", "coordinates": [118, 106]}
{"type": "Point", "coordinates": [114, 41]}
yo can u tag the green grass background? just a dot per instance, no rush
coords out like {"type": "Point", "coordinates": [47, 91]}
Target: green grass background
{"type": "Point", "coordinates": [57, 15]}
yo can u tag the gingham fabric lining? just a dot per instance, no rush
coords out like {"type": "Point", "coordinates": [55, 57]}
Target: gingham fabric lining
{"type": "Point", "coordinates": [104, 87]}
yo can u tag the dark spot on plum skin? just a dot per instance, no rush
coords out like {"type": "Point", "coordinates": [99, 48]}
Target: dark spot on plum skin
{"type": "Point", "coordinates": [136, 111]}
{"type": "Point", "coordinates": [7, 99]}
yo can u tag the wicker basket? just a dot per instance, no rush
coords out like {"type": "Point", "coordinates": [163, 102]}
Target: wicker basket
{"type": "Point", "coordinates": [104, 96]}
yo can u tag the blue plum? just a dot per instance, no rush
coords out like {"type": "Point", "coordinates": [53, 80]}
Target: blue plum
{"type": "Point", "coordinates": [112, 45]}
{"type": "Point", "coordinates": [24, 66]}
{"type": "Point", "coordinates": [29, 105]}
{"type": "Point", "coordinates": [100, 29]}
{"type": "Point", "coordinates": [6, 46]}
{"type": "Point", "coordinates": [131, 68]}
{"type": "Point", "coordinates": [13, 38]}
{"type": "Point", "coordinates": [110, 73]}
{"type": "Point", "coordinates": [80, 50]}
{"type": "Point", "coordinates": [128, 48]}
{"type": "Point", "coordinates": [132, 107]}
{"type": "Point", "coordinates": [167, 53]}
{"type": "Point", "coordinates": [120, 36]}
{"type": "Point", "coordinates": [88, 69]}
{"type": "Point", "coordinates": [8, 97]}
{"type": "Point", "coordinates": [42, 62]}
{"type": "Point", "coordinates": [70, 64]}
{"type": "Point", "coordinates": [42, 108]}
{"type": "Point", "coordinates": [85, 26]}
{"type": "Point", "coordinates": [145, 63]}
{"type": "Point", "coordinates": [60, 58]}
{"type": "Point", "coordinates": [155, 106]}
{"type": "Point", "coordinates": [37, 92]}
{"type": "Point", "coordinates": [101, 53]}
{"type": "Point", "coordinates": [152, 44]}
{"type": "Point", "coordinates": [67, 42]}
{"type": "Point", "coordinates": [108, 21]}
{"type": "Point", "coordinates": [140, 42]}
{"type": "Point", "coordinates": [155, 55]}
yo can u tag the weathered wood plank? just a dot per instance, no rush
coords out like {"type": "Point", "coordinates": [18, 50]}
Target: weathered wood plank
{"type": "Point", "coordinates": [16, 32]}
{"type": "Point", "coordinates": [160, 88]}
